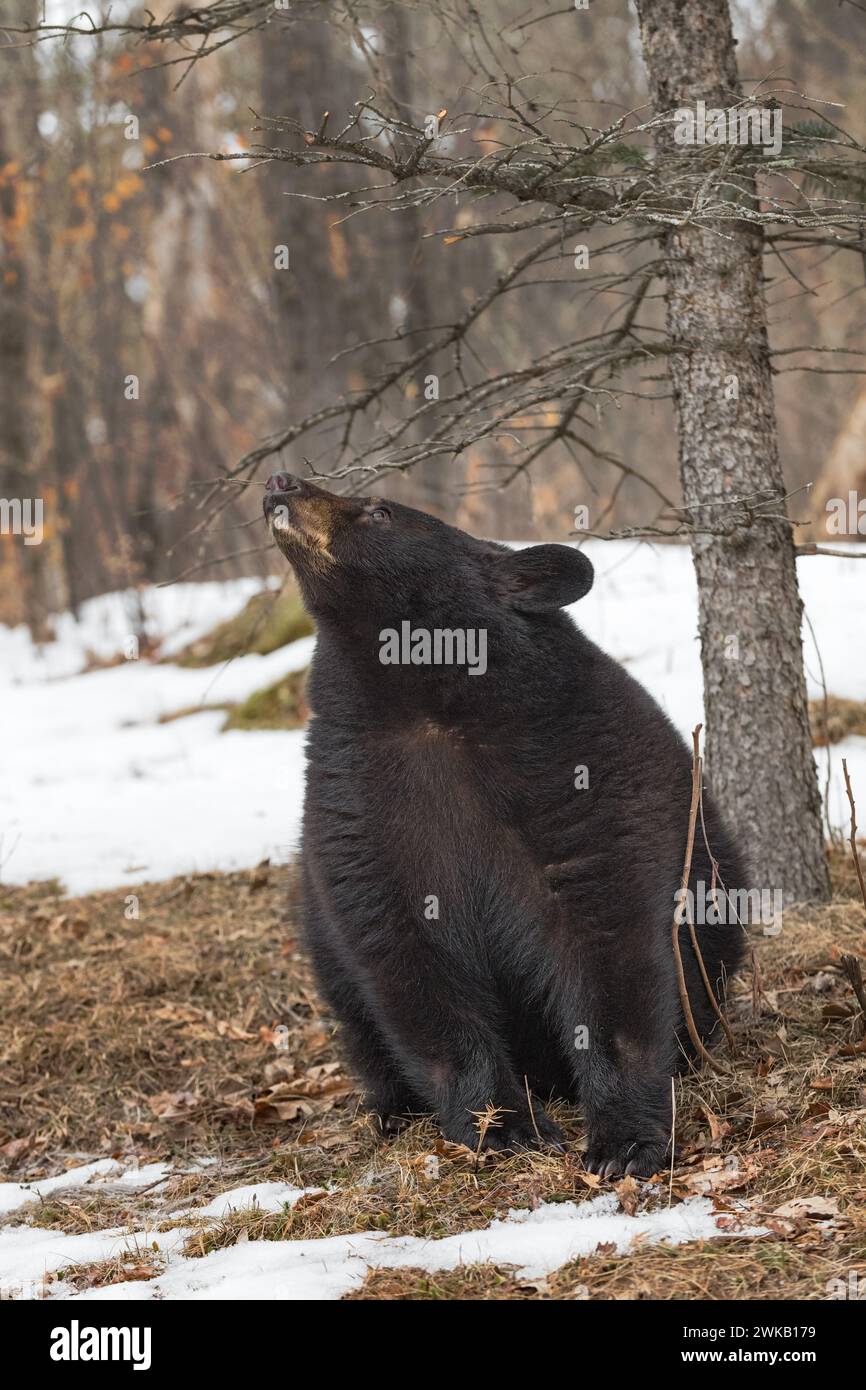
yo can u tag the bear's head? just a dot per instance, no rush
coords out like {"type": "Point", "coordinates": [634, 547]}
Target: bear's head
{"type": "Point", "coordinates": [366, 561]}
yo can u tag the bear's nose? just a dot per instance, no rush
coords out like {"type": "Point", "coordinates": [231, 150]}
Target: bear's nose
{"type": "Point", "coordinates": [283, 482]}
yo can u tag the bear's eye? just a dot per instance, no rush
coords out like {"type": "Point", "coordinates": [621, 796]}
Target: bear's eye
{"type": "Point", "coordinates": [380, 514]}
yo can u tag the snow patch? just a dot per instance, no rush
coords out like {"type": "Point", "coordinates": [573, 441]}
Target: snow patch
{"type": "Point", "coordinates": [14, 1194]}
{"type": "Point", "coordinates": [534, 1242]}
{"type": "Point", "coordinates": [267, 1196]}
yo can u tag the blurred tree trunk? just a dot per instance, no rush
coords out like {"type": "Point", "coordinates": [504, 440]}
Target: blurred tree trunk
{"type": "Point", "coordinates": [66, 449]}
{"type": "Point", "coordinates": [300, 76]}
{"type": "Point", "coordinates": [759, 751]}
{"type": "Point", "coordinates": [22, 566]}
{"type": "Point", "coordinates": [410, 308]}
{"type": "Point", "coordinates": [328, 300]}
{"type": "Point", "coordinates": [14, 323]}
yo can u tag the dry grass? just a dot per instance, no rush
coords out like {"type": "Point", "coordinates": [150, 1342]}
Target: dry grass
{"type": "Point", "coordinates": [838, 721]}
{"type": "Point", "coordinates": [137, 1264]}
{"type": "Point", "coordinates": [194, 1031]}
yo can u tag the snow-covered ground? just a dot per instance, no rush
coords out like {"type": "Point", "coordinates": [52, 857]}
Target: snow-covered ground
{"type": "Point", "coordinates": [537, 1242]}
{"type": "Point", "coordinates": [94, 791]}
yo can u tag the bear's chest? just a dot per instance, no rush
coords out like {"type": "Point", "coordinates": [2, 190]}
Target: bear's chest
{"type": "Point", "coordinates": [425, 789]}
{"type": "Point", "coordinates": [425, 822]}
{"type": "Point", "coordinates": [456, 773]}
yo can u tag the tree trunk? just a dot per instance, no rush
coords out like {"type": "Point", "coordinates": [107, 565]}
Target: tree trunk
{"type": "Point", "coordinates": [22, 568]}
{"type": "Point", "coordinates": [61, 399]}
{"type": "Point", "coordinates": [430, 487]}
{"type": "Point", "coordinates": [315, 304]}
{"type": "Point", "coordinates": [759, 752]}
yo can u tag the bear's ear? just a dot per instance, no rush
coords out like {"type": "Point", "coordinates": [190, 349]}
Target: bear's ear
{"type": "Point", "coordinates": [544, 577]}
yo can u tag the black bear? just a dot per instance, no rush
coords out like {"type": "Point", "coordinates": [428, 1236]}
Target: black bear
{"type": "Point", "coordinates": [494, 831]}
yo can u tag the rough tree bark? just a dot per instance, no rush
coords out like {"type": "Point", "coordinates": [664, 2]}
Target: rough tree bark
{"type": "Point", "coordinates": [759, 751]}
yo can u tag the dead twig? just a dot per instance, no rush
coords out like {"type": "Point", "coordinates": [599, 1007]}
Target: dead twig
{"type": "Point", "coordinates": [851, 969]}
{"type": "Point", "coordinates": [711, 993]}
{"type": "Point", "coordinates": [675, 930]}
{"type": "Point", "coordinates": [757, 985]}
{"type": "Point", "coordinates": [853, 837]}
{"type": "Point", "coordinates": [531, 1109]}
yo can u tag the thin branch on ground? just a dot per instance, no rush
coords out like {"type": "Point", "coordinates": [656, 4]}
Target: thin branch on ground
{"type": "Point", "coordinates": [697, 1043]}
{"type": "Point", "coordinates": [855, 854]}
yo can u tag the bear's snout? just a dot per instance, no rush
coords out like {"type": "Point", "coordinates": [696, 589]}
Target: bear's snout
{"type": "Point", "coordinates": [283, 482]}
{"type": "Point", "coordinates": [278, 486]}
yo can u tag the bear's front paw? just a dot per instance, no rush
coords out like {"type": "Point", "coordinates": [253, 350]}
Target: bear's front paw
{"type": "Point", "coordinates": [391, 1113]}
{"type": "Point", "coordinates": [639, 1158]}
{"type": "Point", "coordinates": [390, 1125]}
{"type": "Point", "coordinates": [508, 1130]}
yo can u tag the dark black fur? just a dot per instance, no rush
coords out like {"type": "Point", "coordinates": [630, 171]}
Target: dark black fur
{"type": "Point", "coordinates": [555, 904]}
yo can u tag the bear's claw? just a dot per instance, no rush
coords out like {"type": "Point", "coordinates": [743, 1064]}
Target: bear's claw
{"type": "Point", "coordinates": [640, 1159]}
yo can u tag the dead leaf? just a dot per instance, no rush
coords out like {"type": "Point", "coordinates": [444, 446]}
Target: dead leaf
{"type": "Point", "coordinates": [719, 1176]}
{"type": "Point", "coordinates": [276, 1036]}
{"type": "Point", "coordinates": [780, 1228]}
{"type": "Point", "coordinates": [835, 1011]}
{"type": "Point", "coordinates": [766, 1118]}
{"type": "Point", "coordinates": [628, 1192]}
{"type": "Point", "coordinates": [822, 982]}
{"type": "Point", "coordinates": [168, 1105]}
{"type": "Point", "coordinates": [228, 1028]}
{"type": "Point", "coordinates": [77, 926]}
{"type": "Point", "coordinates": [268, 1109]}
{"type": "Point", "coordinates": [816, 1208]}
{"type": "Point", "coordinates": [15, 1148]}
{"type": "Point", "coordinates": [718, 1128]}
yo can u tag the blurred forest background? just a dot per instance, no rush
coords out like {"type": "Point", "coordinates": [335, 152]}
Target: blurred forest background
{"type": "Point", "coordinates": [114, 269]}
